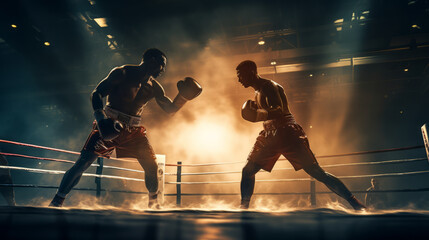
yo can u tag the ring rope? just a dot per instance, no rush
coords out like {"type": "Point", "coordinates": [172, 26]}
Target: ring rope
{"type": "Point", "coordinates": [308, 179]}
{"type": "Point", "coordinates": [308, 193]}
{"type": "Point", "coordinates": [212, 194]}
{"type": "Point", "coordinates": [364, 163]}
{"type": "Point", "coordinates": [67, 161]}
{"type": "Point", "coordinates": [38, 158]}
{"type": "Point", "coordinates": [322, 156]}
{"type": "Point", "coordinates": [324, 166]}
{"type": "Point", "coordinates": [212, 173]}
{"type": "Point", "coordinates": [37, 170]}
{"type": "Point", "coordinates": [372, 151]}
{"type": "Point", "coordinates": [56, 149]}
{"type": "Point", "coordinates": [202, 164]}
{"type": "Point", "coordinates": [211, 164]}
{"type": "Point", "coordinates": [79, 189]}
{"type": "Point", "coordinates": [67, 151]}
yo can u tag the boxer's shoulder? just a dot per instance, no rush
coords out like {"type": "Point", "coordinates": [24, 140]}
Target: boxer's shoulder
{"type": "Point", "coordinates": [130, 70]}
{"type": "Point", "coordinates": [268, 86]}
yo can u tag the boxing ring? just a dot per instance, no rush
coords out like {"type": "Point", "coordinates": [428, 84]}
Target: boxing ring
{"type": "Point", "coordinates": [178, 174]}
{"type": "Point", "coordinates": [180, 222]}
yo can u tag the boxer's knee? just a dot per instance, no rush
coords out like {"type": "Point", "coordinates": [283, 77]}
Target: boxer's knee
{"type": "Point", "coordinates": [149, 166]}
{"type": "Point", "coordinates": [317, 173]}
{"type": "Point", "coordinates": [85, 160]}
{"type": "Point", "coordinates": [249, 170]}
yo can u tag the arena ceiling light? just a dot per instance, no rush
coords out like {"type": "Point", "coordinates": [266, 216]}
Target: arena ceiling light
{"type": "Point", "coordinates": [101, 22]}
{"type": "Point", "coordinates": [339, 23]}
{"type": "Point", "coordinates": [261, 42]}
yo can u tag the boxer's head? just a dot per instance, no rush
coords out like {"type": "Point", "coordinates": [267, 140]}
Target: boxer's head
{"type": "Point", "coordinates": [247, 73]}
{"type": "Point", "coordinates": [155, 61]}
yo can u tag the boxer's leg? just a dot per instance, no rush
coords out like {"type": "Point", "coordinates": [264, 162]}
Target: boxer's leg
{"type": "Point", "coordinates": [334, 184]}
{"type": "Point", "coordinates": [151, 178]}
{"type": "Point", "coordinates": [146, 156]}
{"type": "Point", "coordinates": [262, 156]}
{"type": "Point", "coordinates": [72, 176]}
{"type": "Point", "coordinates": [248, 183]}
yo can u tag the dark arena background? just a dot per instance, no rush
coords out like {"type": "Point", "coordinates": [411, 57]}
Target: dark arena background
{"type": "Point", "coordinates": [356, 74]}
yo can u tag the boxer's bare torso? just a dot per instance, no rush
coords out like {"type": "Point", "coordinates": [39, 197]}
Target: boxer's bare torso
{"type": "Point", "coordinates": [271, 96]}
{"type": "Point", "coordinates": [128, 89]}
{"type": "Point", "coordinates": [132, 92]}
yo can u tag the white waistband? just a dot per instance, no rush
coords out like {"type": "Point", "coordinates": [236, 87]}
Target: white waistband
{"type": "Point", "coordinates": [129, 120]}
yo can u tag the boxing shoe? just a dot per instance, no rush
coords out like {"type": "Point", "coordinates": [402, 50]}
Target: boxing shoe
{"type": "Point", "coordinates": [57, 201]}
{"type": "Point", "coordinates": [244, 204]}
{"type": "Point", "coordinates": [356, 204]}
{"type": "Point", "coordinates": [153, 204]}
{"type": "Point", "coordinates": [153, 201]}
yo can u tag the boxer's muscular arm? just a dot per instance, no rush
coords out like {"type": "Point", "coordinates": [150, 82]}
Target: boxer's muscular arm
{"type": "Point", "coordinates": [105, 86]}
{"type": "Point", "coordinates": [165, 102]}
{"type": "Point", "coordinates": [108, 128]}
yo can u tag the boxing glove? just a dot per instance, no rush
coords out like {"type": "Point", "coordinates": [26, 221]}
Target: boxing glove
{"type": "Point", "coordinates": [251, 113]}
{"type": "Point", "coordinates": [109, 129]}
{"type": "Point", "coordinates": [189, 88]}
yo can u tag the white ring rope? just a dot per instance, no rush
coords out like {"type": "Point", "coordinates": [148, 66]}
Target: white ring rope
{"type": "Point", "coordinates": [308, 179]}
{"type": "Point", "coordinates": [227, 172]}
{"type": "Point", "coordinates": [37, 170]}
{"type": "Point", "coordinates": [57, 149]}
{"type": "Point", "coordinates": [324, 166]}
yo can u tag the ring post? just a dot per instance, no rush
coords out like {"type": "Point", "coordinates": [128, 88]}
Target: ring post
{"type": "Point", "coordinates": [99, 171]}
{"type": "Point", "coordinates": [425, 139]}
{"type": "Point", "coordinates": [313, 192]}
{"type": "Point", "coordinates": [178, 184]}
{"type": "Point", "coordinates": [160, 160]}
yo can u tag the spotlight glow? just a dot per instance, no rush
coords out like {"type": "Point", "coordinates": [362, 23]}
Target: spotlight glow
{"type": "Point", "coordinates": [13, 26]}
{"type": "Point", "coordinates": [47, 43]}
{"type": "Point", "coordinates": [210, 136]}
{"type": "Point", "coordinates": [261, 42]}
{"type": "Point", "coordinates": [102, 22]}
